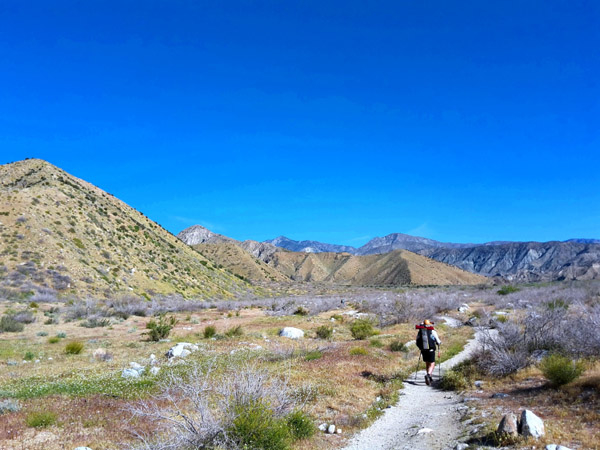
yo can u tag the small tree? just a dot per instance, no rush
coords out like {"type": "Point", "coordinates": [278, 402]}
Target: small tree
{"type": "Point", "coordinates": [161, 329]}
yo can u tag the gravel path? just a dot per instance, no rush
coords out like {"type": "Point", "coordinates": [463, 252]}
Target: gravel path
{"type": "Point", "coordinates": [423, 418]}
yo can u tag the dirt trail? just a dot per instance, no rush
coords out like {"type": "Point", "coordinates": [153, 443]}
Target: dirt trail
{"type": "Point", "coordinates": [424, 417]}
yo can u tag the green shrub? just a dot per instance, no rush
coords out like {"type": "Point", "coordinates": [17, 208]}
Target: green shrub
{"type": "Point", "coordinates": [560, 370]}
{"type": "Point", "coordinates": [209, 331]}
{"type": "Point", "coordinates": [74, 348]}
{"type": "Point", "coordinates": [358, 351]}
{"type": "Point", "coordinates": [42, 333]}
{"type": "Point", "coordinates": [61, 335]}
{"type": "Point", "coordinates": [508, 289]}
{"type": "Point", "coordinates": [397, 346]}
{"type": "Point", "coordinates": [454, 381]}
{"type": "Point", "coordinates": [161, 329]}
{"type": "Point", "coordinates": [300, 425]}
{"type": "Point", "coordinates": [10, 325]}
{"type": "Point", "coordinates": [78, 243]}
{"type": "Point", "coordinates": [337, 317]}
{"type": "Point", "coordinates": [40, 419]}
{"type": "Point", "coordinates": [235, 331]}
{"type": "Point", "coordinates": [314, 354]}
{"type": "Point", "coordinates": [255, 427]}
{"type": "Point", "coordinates": [301, 311]}
{"type": "Point", "coordinates": [53, 340]}
{"type": "Point", "coordinates": [33, 305]}
{"type": "Point", "coordinates": [324, 332]}
{"type": "Point", "coordinates": [29, 356]}
{"type": "Point", "coordinates": [362, 329]}
{"type": "Point", "coordinates": [376, 343]}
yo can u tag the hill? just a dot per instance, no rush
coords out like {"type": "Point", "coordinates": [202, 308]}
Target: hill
{"type": "Point", "coordinates": [60, 233]}
{"type": "Point", "coordinates": [524, 261]}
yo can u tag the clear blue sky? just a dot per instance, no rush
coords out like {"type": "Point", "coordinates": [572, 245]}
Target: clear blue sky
{"type": "Point", "coordinates": [464, 121]}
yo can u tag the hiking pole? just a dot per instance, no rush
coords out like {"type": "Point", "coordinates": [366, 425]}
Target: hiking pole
{"type": "Point", "coordinates": [417, 368]}
{"type": "Point", "coordinates": [440, 364]}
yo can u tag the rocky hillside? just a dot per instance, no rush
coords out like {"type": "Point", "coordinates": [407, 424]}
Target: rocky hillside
{"type": "Point", "coordinates": [522, 261]}
{"type": "Point", "coordinates": [60, 233]}
{"type": "Point", "coordinates": [197, 234]}
{"type": "Point", "coordinates": [309, 246]}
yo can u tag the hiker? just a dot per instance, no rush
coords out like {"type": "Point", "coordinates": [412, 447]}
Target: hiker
{"type": "Point", "coordinates": [427, 340]}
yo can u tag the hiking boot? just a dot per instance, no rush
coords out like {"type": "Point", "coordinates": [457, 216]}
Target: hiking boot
{"type": "Point", "coordinates": [427, 380]}
{"type": "Point", "coordinates": [430, 379]}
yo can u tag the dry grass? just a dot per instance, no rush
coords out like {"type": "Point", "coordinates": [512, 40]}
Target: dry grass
{"type": "Point", "coordinates": [334, 386]}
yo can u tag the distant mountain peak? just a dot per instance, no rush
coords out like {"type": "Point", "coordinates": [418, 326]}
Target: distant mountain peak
{"type": "Point", "coordinates": [197, 234]}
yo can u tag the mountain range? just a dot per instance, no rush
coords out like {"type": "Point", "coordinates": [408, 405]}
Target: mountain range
{"type": "Point", "coordinates": [517, 261]}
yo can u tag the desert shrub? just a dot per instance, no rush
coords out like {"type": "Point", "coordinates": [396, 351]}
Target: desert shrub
{"type": "Point", "coordinates": [235, 331]}
{"type": "Point", "coordinates": [53, 340]}
{"type": "Point", "coordinates": [9, 406]}
{"type": "Point", "coordinates": [40, 419]}
{"type": "Point", "coordinates": [324, 332]}
{"type": "Point", "coordinates": [74, 348]}
{"type": "Point", "coordinates": [454, 381]}
{"type": "Point", "coordinates": [61, 335]}
{"type": "Point", "coordinates": [25, 317]}
{"type": "Point", "coordinates": [29, 356]}
{"type": "Point", "coordinates": [209, 331]}
{"type": "Point", "coordinates": [507, 289]}
{"type": "Point", "coordinates": [241, 408]}
{"type": "Point", "coordinates": [362, 329]}
{"type": "Point", "coordinates": [42, 333]}
{"type": "Point", "coordinates": [34, 305]}
{"type": "Point", "coordinates": [376, 343]}
{"type": "Point", "coordinates": [255, 427]}
{"type": "Point", "coordinates": [300, 425]}
{"type": "Point", "coordinates": [301, 311]}
{"type": "Point", "coordinates": [95, 322]}
{"type": "Point", "coordinates": [314, 354]}
{"type": "Point", "coordinates": [358, 351]}
{"type": "Point", "coordinates": [560, 370]}
{"type": "Point", "coordinates": [397, 346]}
{"type": "Point", "coordinates": [161, 329]}
{"type": "Point", "coordinates": [9, 325]}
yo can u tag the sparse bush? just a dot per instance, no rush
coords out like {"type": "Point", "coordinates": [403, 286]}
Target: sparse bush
{"type": "Point", "coordinates": [507, 289]}
{"type": "Point", "coordinates": [358, 351]}
{"type": "Point", "coordinates": [234, 331]}
{"type": "Point", "coordinates": [9, 325]}
{"type": "Point", "coordinates": [301, 311]}
{"type": "Point", "coordinates": [41, 419]}
{"type": "Point", "coordinates": [95, 322]}
{"type": "Point", "coordinates": [9, 406]}
{"type": "Point", "coordinates": [29, 356]}
{"type": "Point", "coordinates": [42, 333]}
{"type": "Point", "coordinates": [300, 425]}
{"type": "Point", "coordinates": [560, 370]}
{"type": "Point", "coordinates": [161, 329]}
{"type": "Point", "coordinates": [362, 329]}
{"type": "Point", "coordinates": [255, 427]}
{"type": "Point", "coordinates": [53, 340]}
{"type": "Point", "coordinates": [454, 381]}
{"type": "Point", "coordinates": [397, 346]}
{"type": "Point", "coordinates": [25, 317]}
{"type": "Point", "coordinates": [61, 335]}
{"type": "Point", "coordinates": [314, 354]}
{"type": "Point", "coordinates": [33, 305]}
{"type": "Point", "coordinates": [209, 331]}
{"type": "Point", "coordinates": [74, 348]}
{"type": "Point", "coordinates": [324, 332]}
{"type": "Point", "coordinates": [376, 343]}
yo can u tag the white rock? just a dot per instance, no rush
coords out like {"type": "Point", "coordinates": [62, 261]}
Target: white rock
{"type": "Point", "coordinates": [531, 425]}
{"type": "Point", "coordinates": [83, 448]}
{"type": "Point", "coordinates": [136, 366]}
{"type": "Point", "coordinates": [461, 446]}
{"type": "Point", "coordinates": [154, 370]}
{"type": "Point", "coordinates": [556, 447]}
{"type": "Point", "coordinates": [182, 350]}
{"type": "Point", "coordinates": [462, 309]}
{"type": "Point", "coordinates": [425, 430]}
{"type": "Point", "coordinates": [338, 431]}
{"type": "Point", "coordinates": [323, 427]}
{"type": "Point", "coordinates": [292, 333]}
{"type": "Point", "coordinates": [152, 356]}
{"type": "Point", "coordinates": [331, 429]}
{"type": "Point", "coordinates": [130, 373]}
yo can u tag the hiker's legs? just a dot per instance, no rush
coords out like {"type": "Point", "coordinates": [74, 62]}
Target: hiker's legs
{"type": "Point", "coordinates": [429, 367]}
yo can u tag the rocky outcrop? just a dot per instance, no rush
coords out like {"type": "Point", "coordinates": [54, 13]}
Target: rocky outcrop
{"type": "Point", "coordinates": [310, 246]}
{"type": "Point", "coordinates": [197, 234]}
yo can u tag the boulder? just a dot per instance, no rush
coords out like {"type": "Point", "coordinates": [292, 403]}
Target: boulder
{"type": "Point", "coordinates": [323, 427]}
{"type": "Point", "coordinates": [291, 333]}
{"type": "Point", "coordinates": [83, 448]}
{"type": "Point", "coordinates": [473, 321]}
{"type": "Point", "coordinates": [181, 350]}
{"type": "Point", "coordinates": [556, 447]}
{"type": "Point", "coordinates": [508, 425]}
{"type": "Point", "coordinates": [462, 309]}
{"type": "Point", "coordinates": [531, 425]}
{"type": "Point", "coordinates": [461, 446]}
{"type": "Point", "coordinates": [331, 429]}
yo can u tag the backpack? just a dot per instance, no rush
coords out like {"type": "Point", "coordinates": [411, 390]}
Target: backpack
{"type": "Point", "coordinates": [425, 340]}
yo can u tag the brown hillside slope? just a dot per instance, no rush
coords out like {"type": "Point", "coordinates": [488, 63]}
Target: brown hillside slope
{"type": "Point", "coordinates": [65, 234]}
{"type": "Point", "coordinates": [391, 269]}
{"type": "Point", "coordinates": [240, 262]}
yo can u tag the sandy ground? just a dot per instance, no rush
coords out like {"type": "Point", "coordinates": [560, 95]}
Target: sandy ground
{"type": "Point", "coordinates": [424, 417]}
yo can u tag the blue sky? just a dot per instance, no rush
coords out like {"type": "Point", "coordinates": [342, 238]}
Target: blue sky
{"type": "Point", "coordinates": [337, 121]}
